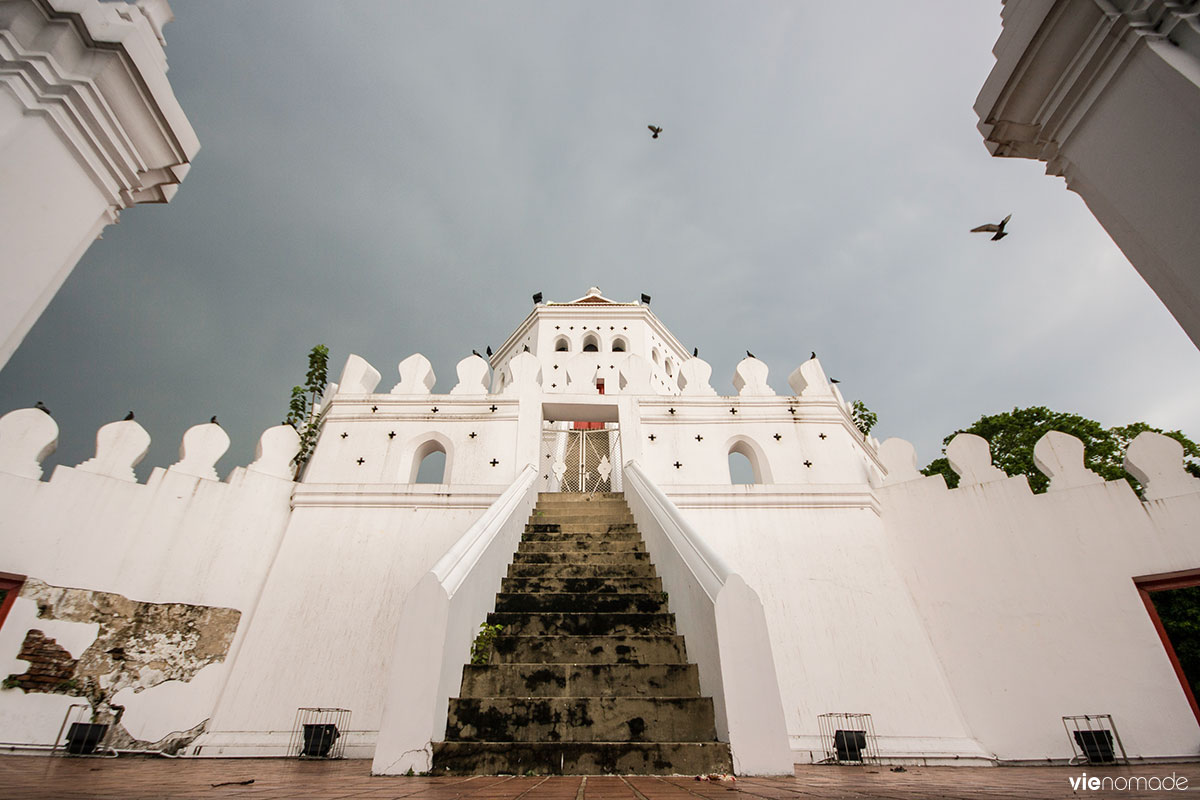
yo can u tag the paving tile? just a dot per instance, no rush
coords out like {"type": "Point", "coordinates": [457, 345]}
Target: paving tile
{"type": "Point", "coordinates": [34, 778]}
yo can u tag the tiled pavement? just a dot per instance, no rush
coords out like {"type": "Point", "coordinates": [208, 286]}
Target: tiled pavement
{"type": "Point", "coordinates": [129, 778]}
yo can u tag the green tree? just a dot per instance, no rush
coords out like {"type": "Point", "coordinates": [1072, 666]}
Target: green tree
{"type": "Point", "coordinates": [864, 418]}
{"type": "Point", "coordinates": [302, 410]}
{"type": "Point", "coordinates": [1012, 435]}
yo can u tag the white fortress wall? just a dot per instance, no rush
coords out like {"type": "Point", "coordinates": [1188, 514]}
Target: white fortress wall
{"type": "Point", "coordinates": [1030, 600]}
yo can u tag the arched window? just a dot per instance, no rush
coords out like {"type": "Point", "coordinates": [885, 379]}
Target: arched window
{"type": "Point", "coordinates": [746, 463]}
{"type": "Point", "coordinates": [562, 345]}
{"type": "Point", "coordinates": [740, 469]}
{"type": "Point", "coordinates": [591, 343]}
{"type": "Point", "coordinates": [429, 463]}
{"type": "Point", "coordinates": [619, 345]}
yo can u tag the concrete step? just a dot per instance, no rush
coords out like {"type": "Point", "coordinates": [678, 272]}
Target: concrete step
{"type": "Point", "coordinates": [640, 569]}
{"type": "Point", "coordinates": [579, 556]}
{"type": "Point", "coordinates": [598, 543]}
{"type": "Point", "coordinates": [575, 602]}
{"type": "Point", "coordinates": [593, 527]}
{"type": "Point", "coordinates": [580, 758]}
{"type": "Point", "coordinates": [581, 585]}
{"type": "Point", "coordinates": [620, 649]}
{"type": "Point", "coordinates": [580, 680]}
{"type": "Point", "coordinates": [580, 719]}
{"type": "Point", "coordinates": [559, 624]}
{"type": "Point", "coordinates": [579, 497]}
{"type": "Point", "coordinates": [561, 518]}
{"type": "Point", "coordinates": [556, 536]}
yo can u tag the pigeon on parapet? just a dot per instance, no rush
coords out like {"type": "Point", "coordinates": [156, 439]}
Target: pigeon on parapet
{"type": "Point", "coordinates": [489, 351]}
{"type": "Point", "coordinates": [40, 406]}
{"type": "Point", "coordinates": [129, 416]}
{"type": "Point", "coordinates": [996, 229]}
{"type": "Point", "coordinates": [749, 354]}
{"type": "Point", "coordinates": [213, 420]}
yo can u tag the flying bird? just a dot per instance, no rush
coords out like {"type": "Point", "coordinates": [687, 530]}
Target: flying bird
{"type": "Point", "coordinates": [996, 229]}
{"type": "Point", "coordinates": [749, 354]}
{"type": "Point", "coordinates": [655, 130]}
{"type": "Point", "coordinates": [129, 416]}
{"type": "Point", "coordinates": [40, 406]}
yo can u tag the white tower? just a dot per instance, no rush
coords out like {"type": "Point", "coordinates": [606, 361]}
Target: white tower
{"type": "Point", "coordinates": [88, 126]}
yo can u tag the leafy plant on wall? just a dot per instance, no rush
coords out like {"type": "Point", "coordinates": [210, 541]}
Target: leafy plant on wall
{"type": "Point", "coordinates": [306, 399]}
{"type": "Point", "coordinates": [864, 418]}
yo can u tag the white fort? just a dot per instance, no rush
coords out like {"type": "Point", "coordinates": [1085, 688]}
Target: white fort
{"type": "Point", "coordinates": [197, 615]}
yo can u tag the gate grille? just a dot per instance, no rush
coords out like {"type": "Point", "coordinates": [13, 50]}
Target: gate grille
{"type": "Point", "coordinates": [580, 460]}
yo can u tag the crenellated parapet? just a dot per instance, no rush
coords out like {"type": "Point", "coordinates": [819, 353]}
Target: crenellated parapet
{"type": "Point", "coordinates": [1157, 461]}
{"type": "Point", "coordinates": [28, 436]}
{"type": "Point", "coordinates": [369, 436]}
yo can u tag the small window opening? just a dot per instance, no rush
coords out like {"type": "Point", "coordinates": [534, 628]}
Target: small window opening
{"type": "Point", "coordinates": [432, 466]}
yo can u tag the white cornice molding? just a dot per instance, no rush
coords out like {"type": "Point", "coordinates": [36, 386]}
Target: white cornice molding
{"type": "Point", "coordinates": [856, 496]}
{"type": "Point", "coordinates": [106, 93]}
{"type": "Point", "coordinates": [393, 495]}
{"type": "Point", "coordinates": [1054, 60]}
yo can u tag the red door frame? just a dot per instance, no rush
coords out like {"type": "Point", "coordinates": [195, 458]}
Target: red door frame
{"type": "Point", "coordinates": [13, 584]}
{"type": "Point", "coordinates": [1156, 583]}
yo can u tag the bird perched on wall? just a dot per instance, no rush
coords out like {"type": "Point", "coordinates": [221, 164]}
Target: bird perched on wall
{"type": "Point", "coordinates": [526, 350]}
{"type": "Point", "coordinates": [834, 380]}
{"type": "Point", "coordinates": [996, 229]}
{"type": "Point", "coordinates": [814, 355]}
{"type": "Point", "coordinates": [213, 420]}
{"type": "Point", "coordinates": [655, 130]}
{"type": "Point", "coordinates": [489, 351]}
{"type": "Point", "coordinates": [749, 354]}
{"type": "Point", "coordinates": [40, 406]}
{"type": "Point", "coordinates": [129, 416]}
{"type": "Point", "coordinates": [695, 352]}
{"type": "Point", "coordinates": [475, 353]}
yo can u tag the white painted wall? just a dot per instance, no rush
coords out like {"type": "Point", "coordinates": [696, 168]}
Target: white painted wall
{"type": "Point", "coordinates": [1030, 603]}
{"type": "Point", "coordinates": [175, 539]}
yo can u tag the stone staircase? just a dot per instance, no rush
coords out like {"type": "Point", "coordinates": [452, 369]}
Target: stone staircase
{"type": "Point", "coordinates": [588, 675]}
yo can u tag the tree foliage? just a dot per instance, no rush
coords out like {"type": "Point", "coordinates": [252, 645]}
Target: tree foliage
{"type": "Point", "coordinates": [306, 399]}
{"type": "Point", "coordinates": [1179, 611]}
{"type": "Point", "coordinates": [1012, 435]}
{"type": "Point", "coordinates": [864, 418]}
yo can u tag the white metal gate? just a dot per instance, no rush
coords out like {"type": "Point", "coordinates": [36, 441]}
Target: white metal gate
{"type": "Point", "coordinates": [580, 460]}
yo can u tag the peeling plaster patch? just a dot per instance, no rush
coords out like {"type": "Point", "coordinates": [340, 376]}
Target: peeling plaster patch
{"type": "Point", "coordinates": [139, 645]}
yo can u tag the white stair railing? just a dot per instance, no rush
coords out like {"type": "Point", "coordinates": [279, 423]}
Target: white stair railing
{"type": "Point", "coordinates": [440, 620]}
{"type": "Point", "coordinates": [725, 629]}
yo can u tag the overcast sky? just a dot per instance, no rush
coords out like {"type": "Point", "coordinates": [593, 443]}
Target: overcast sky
{"type": "Point", "coordinates": [391, 178]}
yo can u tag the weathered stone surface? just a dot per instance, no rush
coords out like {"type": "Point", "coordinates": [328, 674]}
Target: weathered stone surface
{"type": "Point", "coordinates": [588, 674]}
{"type": "Point", "coordinates": [580, 680]}
{"type": "Point", "coordinates": [575, 602]}
{"type": "Point", "coordinates": [661, 649]}
{"type": "Point", "coordinates": [581, 719]}
{"type": "Point", "coordinates": [582, 624]}
{"type": "Point", "coordinates": [589, 585]}
{"type": "Point", "coordinates": [139, 645]}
